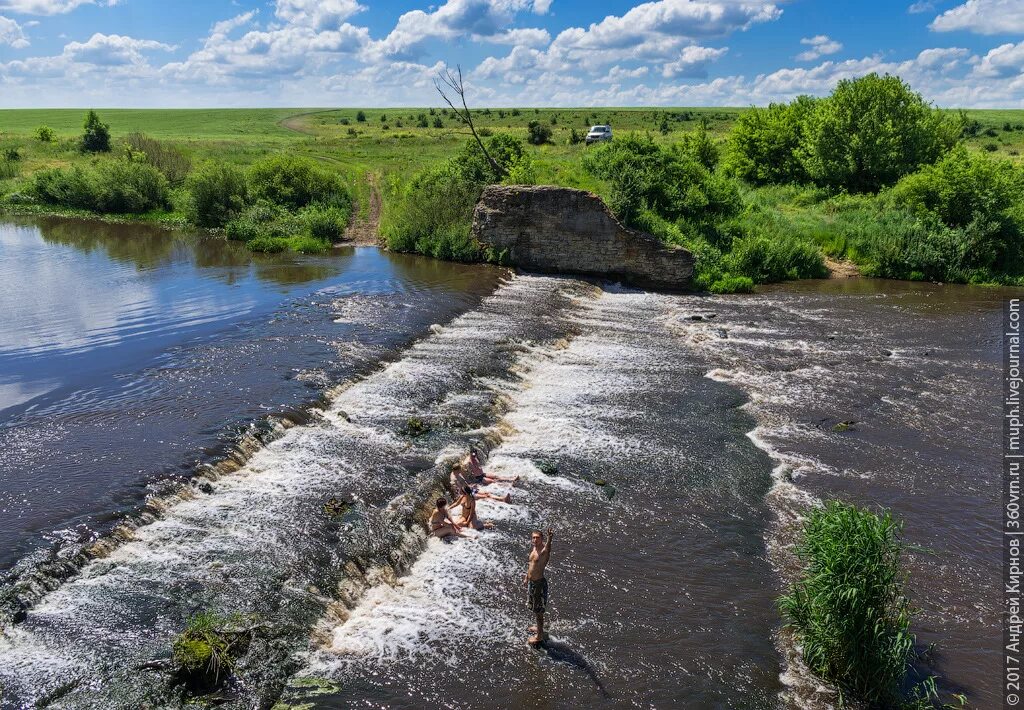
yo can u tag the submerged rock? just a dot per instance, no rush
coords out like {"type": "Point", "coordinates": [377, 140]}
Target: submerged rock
{"type": "Point", "coordinates": [548, 468]}
{"type": "Point", "coordinates": [416, 427]}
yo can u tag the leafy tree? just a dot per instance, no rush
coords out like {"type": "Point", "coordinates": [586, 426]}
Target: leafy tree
{"type": "Point", "coordinates": [538, 133]}
{"type": "Point", "coordinates": [438, 123]}
{"type": "Point", "coordinates": [765, 143]}
{"type": "Point", "coordinates": [96, 138]}
{"type": "Point", "coordinates": [361, 117]}
{"type": "Point", "coordinates": [872, 131]}
{"type": "Point", "coordinates": [45, 134]}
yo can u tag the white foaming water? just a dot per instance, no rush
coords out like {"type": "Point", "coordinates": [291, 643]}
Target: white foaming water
{"type": "Point", "coordinates": [574, 403]}
{"type": "Point", "coordinates": [224, 550]}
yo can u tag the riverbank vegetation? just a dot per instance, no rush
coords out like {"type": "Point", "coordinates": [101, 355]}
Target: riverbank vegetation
{"type": "Point", "coordinates": [871, 175]}
{"type": "Point", "coordinates": [848, 610]}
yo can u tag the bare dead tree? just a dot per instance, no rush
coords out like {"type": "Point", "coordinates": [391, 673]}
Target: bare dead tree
{"type": "Point", "coordinates": [447, 81]}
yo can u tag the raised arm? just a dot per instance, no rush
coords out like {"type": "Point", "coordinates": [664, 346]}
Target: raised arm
{"type": "Point", "coordinates": [547, 545]}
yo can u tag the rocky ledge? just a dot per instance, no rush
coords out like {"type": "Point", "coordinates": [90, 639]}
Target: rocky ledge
{"type": "Point", "coordinates": [561, 230]}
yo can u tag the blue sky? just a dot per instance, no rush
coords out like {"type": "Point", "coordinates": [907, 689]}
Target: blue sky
{"type": "Point", "coordinates": [184, 53]}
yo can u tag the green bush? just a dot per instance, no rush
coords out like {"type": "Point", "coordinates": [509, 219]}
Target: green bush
{"type": "Point", "coordinates": [128, 187]}
{"type": "Point", "coordinates": [113, 186]}
{"type": "Point", "coordinates": [962, 188]}
{"type": "Point", "coordinates": [848, 610]}
{"type": "Point", "coordinates": [96, 138]}
{"type": "Point", "coordinates": [766, 258]}
{"type": "Point", "coordinates": [668, 181]}
{"type": "Point", "coordinates": [267, 244]}
{"type": "Point", "coordinates": [764, 144]}
{"type": "Point", "coordinates": [45, 134]}
{"type": "Point", "coordinates": [325, 223]}
{"type": "Point", "coordinates": [872, 131]}
{"type": "Point", "coordinates": [432, 214]}
{"type": "Point", "coordinates": [170, 161]}
{"type": "Point", "coordinates": [732, 284]}
{"type": "Point", "coordinates": [537, 133]}
{"type": "Point", "coordinates": [295, 182]}
{"type": "Point", "coordinates": [215, 193]}
{"type": "Point", "coordinates": [701, 147]}
{"type": "Point", "coordinates": [8, 169]}
{"type": "Point", "coordinates": [361, 117]}
{"type": "Point", "coordinates": [308, 245]}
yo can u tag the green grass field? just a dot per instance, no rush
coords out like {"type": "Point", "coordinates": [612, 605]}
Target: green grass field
{"type": "Point", "coordinates": [390, 144]}
{"type": "Point", "coordinates": [389, 140]}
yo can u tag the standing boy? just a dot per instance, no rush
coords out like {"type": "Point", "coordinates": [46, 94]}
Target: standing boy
{"type": "Point", "coordinates": [537, 584]}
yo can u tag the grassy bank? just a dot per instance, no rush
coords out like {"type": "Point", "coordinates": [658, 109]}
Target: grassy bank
{"type": "Point", "coordinates": [756, 232]}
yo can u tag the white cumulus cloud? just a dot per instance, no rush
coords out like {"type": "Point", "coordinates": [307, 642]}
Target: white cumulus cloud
{"type": "Point", "coordinates": [987, 17]}
{"type": "Point", "coordinates": [819, 46]}
{"type": "Point", "coordinates": [317, 14]}
{"type": "Point", "coordinates": [49, 7]}
{"type": "Point", "coordinates": [1006, 60]}
{"type": "Point", "coordinates": [692, 62]}
{"type": "Point", "coordinates": [12, 34]}
{"type": "Point", "coordinates": [104, 49]}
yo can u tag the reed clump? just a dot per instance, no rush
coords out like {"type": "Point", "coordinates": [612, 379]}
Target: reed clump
{"type": "Point", "coordinates": [205, 651]}
{"type": "Point", "coordinates": [848, 610]}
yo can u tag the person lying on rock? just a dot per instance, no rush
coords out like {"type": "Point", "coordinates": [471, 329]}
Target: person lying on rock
{"type": "Point", "coordinates": [441, 523]}
{"type": "Point", "coordinates": [460, 478]}
{"type": "Point", "coordinates": [469, 518]}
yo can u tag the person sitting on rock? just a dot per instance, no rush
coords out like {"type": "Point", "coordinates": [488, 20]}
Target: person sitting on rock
{"type": "Point", "coordinates": [460, 478]}
{"type": "Point", "coordinates": [476, 471]}
{"type": "Point", "coordinates": [469, 518]}
{"type": "Point", "coordinates": [441, 523]}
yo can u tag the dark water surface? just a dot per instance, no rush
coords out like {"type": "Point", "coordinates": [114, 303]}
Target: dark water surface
{"type": "Point", "coordinates": [680, 435]}
{"type": "Point", "coordinates": [128, 353]}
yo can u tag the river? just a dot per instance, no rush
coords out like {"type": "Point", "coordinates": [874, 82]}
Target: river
{"type": "Point", "coordinates": [671, 441]}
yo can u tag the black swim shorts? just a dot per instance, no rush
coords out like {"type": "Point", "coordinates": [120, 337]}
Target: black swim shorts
{"type": "Point", "coordinates": [537, 595]}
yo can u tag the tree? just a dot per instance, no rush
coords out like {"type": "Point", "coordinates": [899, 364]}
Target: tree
{"type": "Point", "coordinates": [765, 143]}
{"type": "Point", "coordinates": [45, 134]}
{"type": "Point", "coordinates": [871, 132]}
{"type": "Point", "coordinates": [453, 82]}
{"type": "Point", "coordinates": [361, 117]}
{"type": "Point", "coordinates": [96, 138]}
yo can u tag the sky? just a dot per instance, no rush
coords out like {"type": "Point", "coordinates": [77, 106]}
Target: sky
{"type": "Point", "coordinates": [325, 53]}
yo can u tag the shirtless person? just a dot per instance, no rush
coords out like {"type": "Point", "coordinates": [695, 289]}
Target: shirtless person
{"type": "Point", "coordinates": [441, 523]}
{"type": "Point", "coordinates": [461, 478]}
{"type": "Point", "coordinates": [476, 472]}
{"type": "Point", "coordinates": [536, 584]}
{"type": "Point", "coordinates": [469, 517]}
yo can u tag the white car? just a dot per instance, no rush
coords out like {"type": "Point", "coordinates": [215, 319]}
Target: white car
{"type": "Point", "coordinates": [598, 134]}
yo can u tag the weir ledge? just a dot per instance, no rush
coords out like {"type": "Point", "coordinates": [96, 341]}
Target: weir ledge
{"type": "Point", "coordinates": [562, 230]}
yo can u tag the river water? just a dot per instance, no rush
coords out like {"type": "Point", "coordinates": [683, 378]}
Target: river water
{"type": "Point", "coordinates": [671, 441]}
